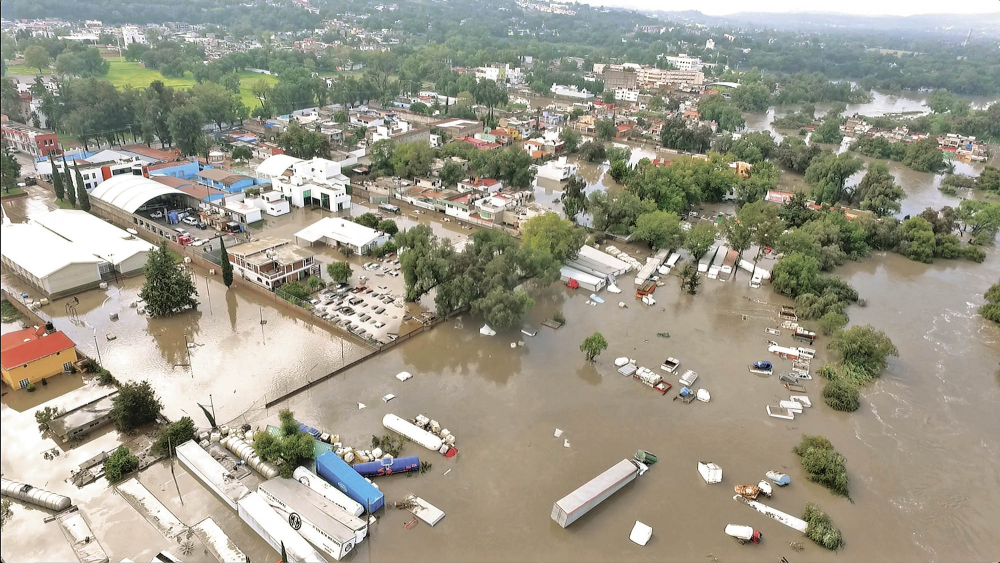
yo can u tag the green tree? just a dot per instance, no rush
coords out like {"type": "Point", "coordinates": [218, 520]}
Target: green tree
{"type": "Point", "coordinates": [44, 417]}
{"type": "Point", "coordinates": [381, 155]}
{"type": "Point", "coordinates": [878, 191]}
{"type": "Point", "coordinates": [81, 188]}
{"type": "Point", "coordinates": [988, 180]}
{"type": "Point", "coordinates": [738, 237]}
{"type": "Point", "coordinates": [231, 81]}
{"type": "Point", "coordinates": [168, 289]}
{"type": "Point", "coordinates": [227, 266]}
{"type": "Point", "coordinates": [135, 404]}
{"type": "Point", "coordinates": [185, 125]}
{"type": "Point", "coordinates": [368, 219]}
{"type": "Point", "coordinates": [690, 280]}
{"type": "Point", "coordinates": [764, 223]}
{"type": "Point", "coordinates": [661, 229]}
{"type": "Point", "coordinates": [991, 310]}
{"type": "Point", "coordinates": [10, 168]}
{"type": "Point", "coordinates": [502, 307]}
{"type": "Point", "coordinates": [605, 129]}
{"type": "Point", "coordinates": [795, 274]}
{"type": "Point", "coordinates": [302, 143]}
{"type": "Point", "coordinates": [593, 345]}
{"type": "Point", "coordinates": [67, 175]}
{"type": "Point", "coordinates": [574, 198]}
{"type": "Point", "coordinates": [793, 153]}
{"type": "Point", "coordinates": [699, 239]}
{"type": "Point", "coordinates": [593, 152]}
{"type": "Point", "coordinates": [242, 153]}
{"type": "Point", "coordinates": [620, 171]}
{"type": "Point", "coordinates": [829, 173]}
{"type": "Point", "coordinates": [289, 449]}
{"type": "Point", "coordinates": [842, 395]}
{"type": "Point", "coordinates": [413, 159]}
{"type": "Point", "coordinates": [980, 219]}
{"type": "Point", "coordinates": [821, 529]}
{"type": "Point", "coordinates": [571, 137]}
{"type": "Point", "coordinates": [823, 464]}
{"type": "Point", "coordinates": [550, 234]}
{"type": "Point", "coordinates": [919, 243]}
{"type": "Point", "coordinates": [119, 464]}
{"type": "Point", "coordinates": [173, 435]}
{"type": "Point", "coordinates": [451, 173]}
{"type": "Point", "coordinates": [215, 102]}
{"type": "Point", "coordinates": [864, 348]}
{"type": "Point", "coordinates": [828, 132]}
{"type": "Point", "coordinates": [388, 226]}
{"type": "Point", "coordinates": [35, 56]}
{"type": "Point", "coordinates": [924, 156]}
{"type": "Point", "coordinates": [339, 271]}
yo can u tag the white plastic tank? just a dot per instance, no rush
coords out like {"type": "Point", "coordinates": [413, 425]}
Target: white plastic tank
{"type": "Point", "coordinates": [412, 432]}
{"type": "Point", "coordinates": [38, 497]}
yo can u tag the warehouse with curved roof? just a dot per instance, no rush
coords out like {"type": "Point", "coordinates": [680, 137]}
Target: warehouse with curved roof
{"type": "Point", "coordinates": [130, 192]}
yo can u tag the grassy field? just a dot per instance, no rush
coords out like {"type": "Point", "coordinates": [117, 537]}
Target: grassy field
{"type": "Point", "coordinates": [125, 73]}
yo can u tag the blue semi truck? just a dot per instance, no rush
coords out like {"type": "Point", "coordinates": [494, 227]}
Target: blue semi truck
{"type": "Point", "coordinates": [349, 481]}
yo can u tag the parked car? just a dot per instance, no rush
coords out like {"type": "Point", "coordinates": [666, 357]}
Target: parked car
{"type": "Point", "coordinates": [156, 215]}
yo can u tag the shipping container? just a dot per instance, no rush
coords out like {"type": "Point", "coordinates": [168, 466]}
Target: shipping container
{"type": "Point", "coordinates": [213, 474]}
{"type": "Point", "coordinates": [388, 466]}
{"type": "Point", "coordinates": [276, 530]}
{"type": "Point", "coordinates": [574, 505]}
{"type": "Point", "coordinates": [348, 481]}
{"type": "Point", "coordinates": [329, 492]}
{"type": "Point", "coordinates": [291, 499]}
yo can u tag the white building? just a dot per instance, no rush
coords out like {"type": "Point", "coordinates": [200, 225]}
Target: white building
{"type": "Point", "coordinates": [307, 182]}
{"type": "Point", "coordinates": [570, 92]}
{"type": "Point", "coordinates": [271, 203]}
{"type": "Point", "coordinates": [242, 212]}
{"type": "Point", "coordinates": [627, 95]}
{"type": "Point", "coordinates": [132, 34]}
{"type": "Point", "coordinates": [683, 62]}
{"type": "Point", "coordinates": [491, 208]}
{"type": "Point", "coordinates": [50, 263]}
{"type": "Point", "coordinates": [710, 44]}
{"type": "Point", "coordinates": [559, 169]}
{"type": "Point", "coordinates": [126, 252]}
{"type": "Point", "coordinates": [485, 185]}
{"type": "Point", "coordinates": [337, 232]}
{"type": "Point", "coordinates": [94, 170]}
{"type": "Point", "coordinates": [501, 74]}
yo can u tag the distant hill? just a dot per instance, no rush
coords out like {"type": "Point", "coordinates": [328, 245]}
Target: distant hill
{"type": "Point", "coordinates": [988, 24]}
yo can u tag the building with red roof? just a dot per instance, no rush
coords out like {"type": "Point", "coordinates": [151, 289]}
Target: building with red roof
{"type": "Point", "coordinates": [31, 355]}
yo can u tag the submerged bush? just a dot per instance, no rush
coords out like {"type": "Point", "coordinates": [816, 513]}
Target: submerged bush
{"type": "Point", "coordinates": [821, 529]}
{"type": "Point", "coordinates": [823, 463]}
{"type": "Point", "coordinates": [842, 395]}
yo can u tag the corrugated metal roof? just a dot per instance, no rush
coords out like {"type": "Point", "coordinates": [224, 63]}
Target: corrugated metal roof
{"type": "Point", "coordinates": [129, 192]}
{"type": "Point", "coordinates": [41, 252]}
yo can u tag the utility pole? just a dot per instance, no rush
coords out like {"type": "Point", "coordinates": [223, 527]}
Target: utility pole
{"type": "Point", "coordinates": [208, 290]}
{"type": "Point", "coordinates": [99, 361]}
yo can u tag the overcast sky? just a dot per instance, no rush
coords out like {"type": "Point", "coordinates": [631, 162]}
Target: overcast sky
{"type": "Point", "coordinates": [863, 7]}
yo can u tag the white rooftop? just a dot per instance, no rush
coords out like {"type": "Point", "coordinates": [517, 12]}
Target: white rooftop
{"type": "Point", "coordinates": [240, 207]}
{"type": "Point", "coordinates": [39, 251]}
{"type": "Point", "coordinates": [339, 229]}
{"type": "Point", "coordinates": [129, 192]}
{"type": "Point", "coordinates": [100, 238]}
{"type": "Point", "coordinates": [276, 165]}
{"type": "Point", "coordinates": [457, 123]}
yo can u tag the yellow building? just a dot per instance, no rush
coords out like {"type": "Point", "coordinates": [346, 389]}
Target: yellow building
{"type": "Point", "coordinates": [30, 355]}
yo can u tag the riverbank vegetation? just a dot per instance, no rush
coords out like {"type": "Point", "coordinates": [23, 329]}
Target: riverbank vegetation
{"type": "Point", "coordinates": [923, 155]}
{"type": "Point", "coordinates": [821, 529]}
{"type": "Point", "coordinates": [864, 353]}
{"type": "Point", "coordinates": [804, 117]}
{"type": "Point", "coordinates": [824, 464]}
{"type": "Point", "coordinates": [987, 181]}
{"type": "Point", "coordinates": [991, 310]}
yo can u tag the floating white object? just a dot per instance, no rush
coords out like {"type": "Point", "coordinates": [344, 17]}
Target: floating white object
{"type": "Point", "coordinates": [558, 433]}
{"type": "Point", "coordinates": [619, 362]}
{"type": "Point", "coordinates": [565, 443]}
{"type": "Point", "coordinates": [614, 289]}
{"type": "Point", "coordinates": [640, 533]}
{"type": "Point", "coordinates": [426, 511]}
{"type": "Point", "coordinates": [404, 375]}
{"type": "Point", "coordinates": [621, 305]}
{"type": "Point", "coordinates": [487, 331]}
{"type": "Point", "coordinates": [388, 398]}
{"type": "Point", "coordinates": [791, 406]}
{"type": "Point", "coordinates": [648, 300]}
{"type": "Point", "coordinates": [786, 519]}
{"type": "Point", "coordinates": [806, 402]}
{"type": "Point", "coordinates": [361, 406]}
{"type": "Point", "coordinates": [710, 472]}
{"type": "Point", "coordinates": [513, 344]}
{"type": "Point", "coordinates": [703, 395]}
{"type": "Point", "coordinates": [776, 413]}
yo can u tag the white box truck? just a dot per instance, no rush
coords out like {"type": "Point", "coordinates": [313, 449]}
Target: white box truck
{"type": "Point", "coordinates": [574, 505]}
{"type": "Point", "coordinates": [275, 530]}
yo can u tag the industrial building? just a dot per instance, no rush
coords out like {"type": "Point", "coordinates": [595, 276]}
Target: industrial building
{"type": "Point", "coordinates": [31, 355]}
{"type": "Point", "coordinates": [337, 232]}
{"type": "Point", "coordinates": [126, 252]}
{"type": "Point", "coordinates": [47, 261]}
{"type": "Point", "coordinates": [83, 410]}
{"type": "Point", "coordinates": [120, 199]}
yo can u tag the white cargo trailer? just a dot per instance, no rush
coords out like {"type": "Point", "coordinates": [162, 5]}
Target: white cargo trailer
{"type": "Point", "coordinates": [327, 534]}
{"type": "Point", "coordinates": [574, 505]}
{"type": "Point", "coordinates": [329, 492]}
{"type": "Point", "coordinates": [213, 474]}
{"type": "Point", "coordinates": [412, 432]}
{"type": "Point", "coordinates": [276, 530]}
